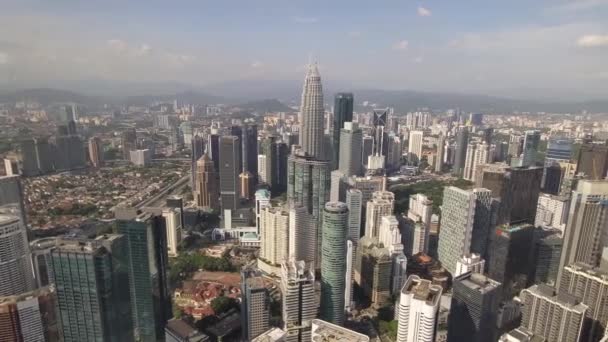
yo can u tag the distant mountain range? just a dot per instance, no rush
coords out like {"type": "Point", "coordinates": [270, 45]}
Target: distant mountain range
{"type": "Point", "coordinates": [254, 95]}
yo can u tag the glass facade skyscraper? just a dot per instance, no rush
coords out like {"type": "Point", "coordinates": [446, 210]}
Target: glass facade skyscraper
{"type": "Point", "coordinates": [343, 112]}
{"type": "Point", "coordinates": [146, 246]}
{"type": "Point", "coordinates": [333, 262]}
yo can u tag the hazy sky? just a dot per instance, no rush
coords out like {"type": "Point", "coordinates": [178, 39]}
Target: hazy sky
{"type": "Point", "coordinates": [554, 47]}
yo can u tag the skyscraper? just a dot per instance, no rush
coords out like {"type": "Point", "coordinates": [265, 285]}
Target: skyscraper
{"type": "Point", "coordinates": [418, 306]}
{"type": "Point", "coordinates": [333, 262]}
{"type": "Point", "coordinates": [457, 216]}
{"type": "Point", "coordinates": [247, 185]}
{"type": "Point", "coordinates": [373, 269]}
{"type": "Point", "coordinates": [308, 185]}
{"type": "Point", "coordinates": [15, 265]}
{"type": "Point", "coordinates": [440, 153]}
{"type": "Point", "coordinates": [312, 113]}
{"type": "Point", "coordinates": [555, 317]}
{"type": "Point", "coordinates": [552, 211]}
{"type": "Point", "coordinates": [367, 149]}
{"type": "Point", "coordinates": [128, 141]}
{"type": "Point", "coordinates": [382, 204]}
{"type": "Point", "coordinates": [250, 148]}
{"type": "Point", "coordinates": [547, 251]}
{"type": "Point", "coordinates": [343, 112]}
{"type": "Point", "coordinates": [274, 230]}
{"type": "Point", "coordinates": [95, 152]}
{"type": "Point", "coordinates": [302, 235]}
{"type": "Point", "coordinates": [354, 202]}
{"type": "Point", "coordinates": [146, 247]}
{"type": "Point", "coordinates": [91, 281]}
{"type": "Point", "coordinates": [585, 235]}
{"type": "Point", "coordinates": [592, 161]}
{"type": "Point", "coordinates": [255, 305]}
{"type": "Point", "coordinates": [197, 147]}
{"type": "Point", "coordinates": [415, 145]}
{"type": "Point", "coordinates": [509, 257]}
{"type": "Point", "coordinates": [558, 150]}
{"type": "Point", "coordinates": [462, 142]}
{"type": "Point", "coordinates": [589, 285]}
{"type": "Point", "coordinates": [173, 220]}
{"type": "Point", "coordinates": [475, 302]}
{"type": "Point", "coordinates": [350, 163]}
{"type": "Point", "coordinates": [229, 172]}
{"type": "Point", "coordinates": [299, 305]}
{"type": "Point", "coordinates": [29, 316]}
{"type": "Point", "coordinates": [530, 147]}
{"type": "Point", "coordinates": [213, 149]}
{"type": "Point", "coordinates": [421, 210]}
{"type": "Point", "coordinates": [206, 192]}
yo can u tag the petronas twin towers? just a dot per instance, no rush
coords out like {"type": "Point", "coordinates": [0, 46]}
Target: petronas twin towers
{"type": "Point", "coordinates": [312, 113]}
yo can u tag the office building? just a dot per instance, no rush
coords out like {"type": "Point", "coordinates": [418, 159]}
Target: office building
{"type": "Point", "coordinates": [95, 152]}
{"type": "Point", "coordinates": [91, 279]}
{"type": "Point", "coordinates": [418, 307]}
{"type": "Point", "coordinates": [589, 285]}
{"type": "Point", "coordinates": [470, 263]}
{"type": "Point", "coordinates": [312, 114]}
{"type": "Point", "coordinates": [29, 316]}
{"type": "Point", "coordinates": [420, 211]}
{"type": "Point", "coordinates": [323, 331]}
{"type": "Point", "coordinates": [255, 305]}
{"type": "Point", "coordinates": [229, 150]}
{"type": "Point", "coordinates": [206, 193]}
{"type": "Point", "coordinates": [390, 236]}
{"type": "Point", "coordinates": [394, 152]}
{"type": "Point", "coordinates": [173, 221]}
{"type": "Point", "coordinates": [415, 144]}
{"type": "Point", "coordinates": [350, 163]}
{"type": "Point", "coordinates": [36, 156]}
{"type": "Point", "coordinates": [302, 235]}
{"type": "Point", "coordinates": [373, 270]}
{"type": "Point", "coordinates": [457, 215]}
{"type": "Point", "coordinates": [399, 273]}
{"type": "Point", "coordinates": [177, 330]}
{"type": "Point", "coordinates": [309, 185]}
{"type": "Point", "coordinates": [462, 142]}
{"type": "Point", "coordinates": [475, 300]}
{"type": "Point", "coordinates": [555, 317]}
{"type": "Point", "coordinates": [349, 276]}
{"type": "Point", "coordinates": [274, 235]}
{"type": "Point", "coordinates": [367, 149]}
{"type": "Point", "coordinates": [15, 264]}
{"type": "Point", "coordinates": [343, 112]}
{"type": "Point", "coordinates": [585, 233]}
{"type": "Point", "coordinates": [509, 257]}
{"type": "Point", "coordinates": [380, 120]}
{"type": "Point", "coordinates": [70, 150]}
{"type": "Point", "coordinates": [592, 161]}
{"type": "Point", "coordinates": [41, 260]}
{"type": "Point", "coordinates": [547, 251]}
{"type": "Point", "coordinates": [440, 152]}
{"type": "Point", "coordinates": [515, 188]}
{"type": "Point", "coordinates": [382, 204]}
{"type": "Point", "coordinates": [146, 247]}
{"type": "Point", "coordinates": [128, 141]}
{"type": "Point", "coordinates": [213, 148]}
{"type": "Point", "coordinates": [262, 199]}
{"type": "Point", "coordinates": [141, 158]}
{"type": "Point", "coordinates": [333, 261]}
{"type": "Point", "coordinates": [247, 182]}
{"type": "Point", "coordinates": [552, 211]}
{"type": "Point", "coordinates": [530, 148]}
{"type": "Point", "coordinates": [552, 179]}
{"type": "Point", "coordinates": [354, 202]}
{"type": "Point", "coordinates": [558, 150]}
{"type": "Point", "coordinates": [263, 172]}
{"type": "Point", "coordinates": [299, 304]}
{"type": "Point", "coordinates": [250, 148]}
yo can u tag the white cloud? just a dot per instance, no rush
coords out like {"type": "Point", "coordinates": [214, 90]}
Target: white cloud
{"type": "Point", "coordinates": [401, 45]}
{"type": "Point", "coordinates": [257, 64]}
{"type": "Point", "coordinates": [418, 59]}
{"type": "Point", "coordinates": [355, 34]}
{"type": "Point", "coordinates": [424, 12]}
{"type": "Point", "coordinates": [578, 5]}
{"type": "Point", "coordinates": [179, 60]}
{"type": "Point", "coordinates": [306, 20]}
{"type": "Point", "coordinates": [3, 58]}
{"type": "Point", "coordinates": [593, 40]}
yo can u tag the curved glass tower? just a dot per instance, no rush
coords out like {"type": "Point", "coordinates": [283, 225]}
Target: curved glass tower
{"type": "Point", "coordinates": [333, 262]}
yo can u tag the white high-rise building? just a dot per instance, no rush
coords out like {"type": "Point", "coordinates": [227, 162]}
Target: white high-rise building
{"type": "Point", "coordinates": [457, 216]}
{"type": "Point", "coordinates": [16, 274]}
{"type": "Point", "coordinates": [552, 211]}
{"type": "Point", "coordinates": [415, 144]}
{"type": "Point", "coordinates": [354, 201]}
{"type": "Point", "coordinates": [262, 169]}
{"type": "Point", "coordinates": [351, 140]}
{"type": "Point", "coordinates": [420, 210]}
{"type": "Point", "coordinates": [302, 235]}
{"type": "Point", "coordinates": [482, 156]}
{"type": "Point", "coordinates": [262, 199]}
{"type": "Point", "coordinates": [299, 302]}
{"type": "Point", "coordinates": [381, 204]}
{"type": "Point", "coordinates": [275, 235]}
{"type": "Point", "coordinates": [471, 263]}
{"type": "Point", "coordinates": [389, 234]}
{"type": "Point", "coordinates": [418, 307]}
{"type": "Point", "coordinates": [312, 113]}
{"type": "Point", "coordinates": [173, 224]}
{"type": "Point", "coordinates": [348, 281]}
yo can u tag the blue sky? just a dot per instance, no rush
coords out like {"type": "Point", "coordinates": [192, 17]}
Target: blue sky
{"type": "Point", "coordinates": [512, 48]}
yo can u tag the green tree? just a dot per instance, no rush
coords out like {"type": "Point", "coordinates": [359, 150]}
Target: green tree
{"type": "Point", "coordinates": [222, 304]}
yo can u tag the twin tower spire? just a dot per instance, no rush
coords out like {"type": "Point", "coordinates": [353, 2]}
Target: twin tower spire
{"type": "Point", "coordinates": [312, 114]}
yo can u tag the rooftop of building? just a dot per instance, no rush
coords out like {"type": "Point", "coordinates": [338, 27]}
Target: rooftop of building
{"type": "Point", "coordinates": [328, 332]}
{"type": "Point", "coordinates": [255, 282]}
{"type": "Point", "coordinates": [562, 298]}
{"type": "Point", "coordinates": [297, 270]}
{"type": "Point", "coordinates": [271, 335]}
{"type": "Point", "coordinates": [336, 206]}
{"type": "Point", "coordinates": [7, 219]}
{"type": "Point", "coordinates": [422, 289]}
{"type": "Point", "coordinates": [589, 270]}
{"type": "Point", "coordinates": [43, 291]}
{"type": "Point", "coordinates": [183, 330]}
{"type": "Point", "coordinates": [228, 323]}
{"type": "Point", "coordinates": [78, 246]}
{"type": "Point", "coordinates": [478, 282]}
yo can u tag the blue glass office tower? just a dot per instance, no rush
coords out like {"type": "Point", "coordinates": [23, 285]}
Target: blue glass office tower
{"type": "Point", "coordinates": [343, 112]}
